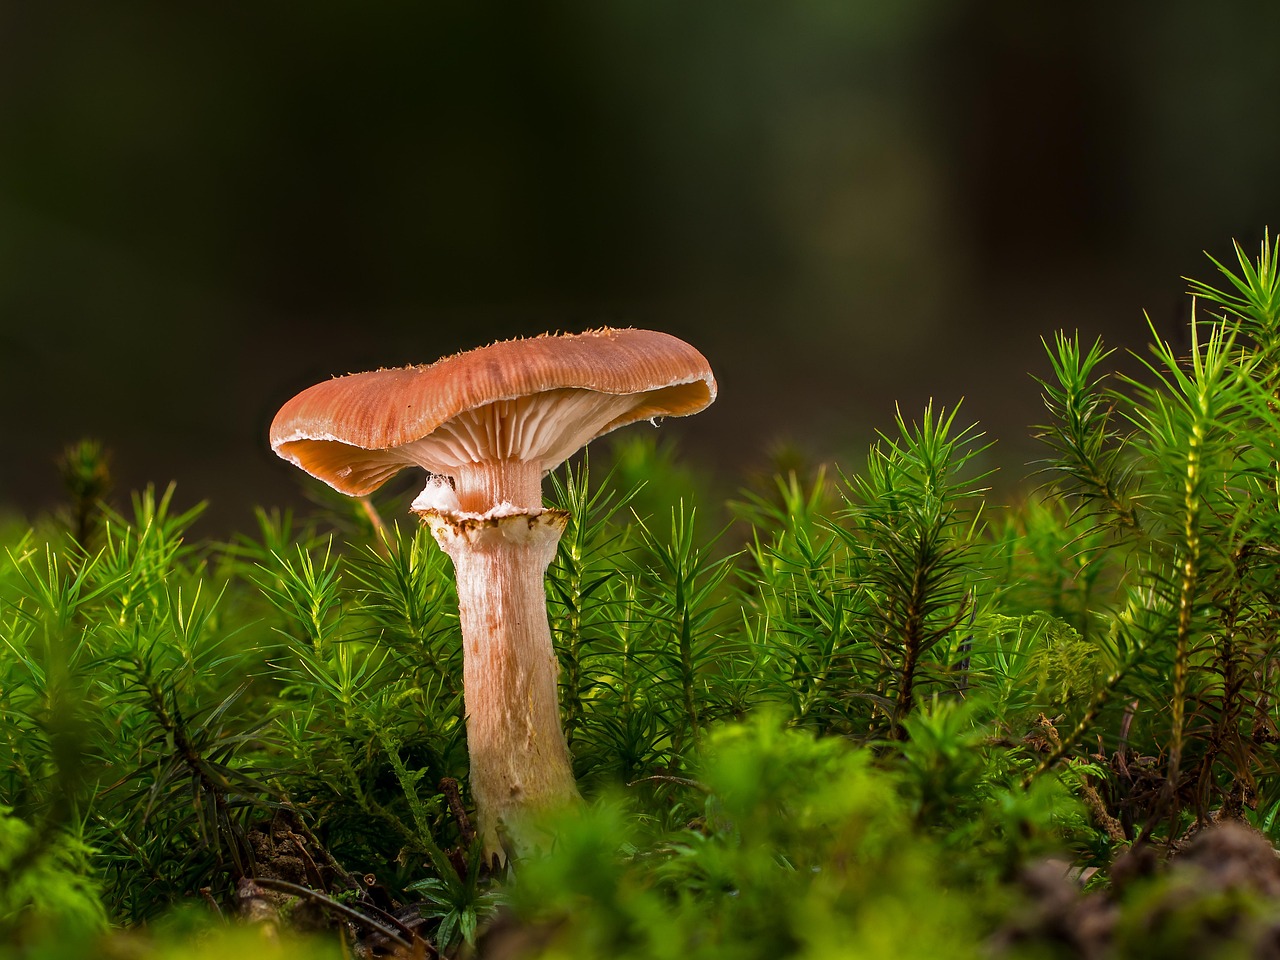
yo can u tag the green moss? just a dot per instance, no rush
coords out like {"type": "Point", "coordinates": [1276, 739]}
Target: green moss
{"type": "Point", "coordinates": [841, 724]}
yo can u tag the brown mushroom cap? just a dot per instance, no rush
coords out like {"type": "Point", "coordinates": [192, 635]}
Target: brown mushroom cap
{"type": "Point", "coordinates": [534, 401]}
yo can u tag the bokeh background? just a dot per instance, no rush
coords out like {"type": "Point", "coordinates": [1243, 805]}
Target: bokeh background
{"type": "Point", "coordinates": [207, 207]}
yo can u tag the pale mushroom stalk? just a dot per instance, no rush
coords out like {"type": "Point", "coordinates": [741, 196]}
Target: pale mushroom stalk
{"type": "Point", "coordinates": [501, 542]}
{"type": "Point", "coordinates": [495, 421]}
{"type": "Point", "coordinates": [520, 765]}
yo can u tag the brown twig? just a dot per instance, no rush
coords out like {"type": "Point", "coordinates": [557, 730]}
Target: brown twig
{"type": "Point", "coordinates": [355, 916]}
{"type": "Point", "coordinates": [453, 796]}
{"type": "Point", "coordinates": [380, 535]}
{"type": "Point", "coordinates": [666, 778]}
{"type": "Point", "coordinates": [207, 894]}
{"type": "Point", "coordinates": [1110, 825]}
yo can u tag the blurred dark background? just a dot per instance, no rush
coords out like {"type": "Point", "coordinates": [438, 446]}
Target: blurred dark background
{"type": "Point", "coordinates": [205, 208]}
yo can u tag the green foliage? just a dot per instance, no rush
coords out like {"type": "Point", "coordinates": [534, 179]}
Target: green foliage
{"type": "Point", "coordinates": [86, 475]}
{"type": "Point", "coordinates": [803, 850]}
{"type": "Point", "coordinates": [792, 729]}
{"type": "Point", "coordinates": [804, 614]}
{"type": "Point", "coordinates": [45, 883]}
{"type": "Point", "coordinates": [460, 901]}
{"type": "Point", "coordinates": [912, 522]}
{"type": "Point", "coordinates": [1182, 465]}
{"type": "Point", "coordinates": [1252, 297]}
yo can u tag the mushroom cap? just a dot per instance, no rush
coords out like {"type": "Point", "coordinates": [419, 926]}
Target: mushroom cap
{"type": "Point", "coordinates": [535, 400]}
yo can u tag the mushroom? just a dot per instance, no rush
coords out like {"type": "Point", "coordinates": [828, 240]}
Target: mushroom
{"type": "Point", "coordinates": [494, 421]}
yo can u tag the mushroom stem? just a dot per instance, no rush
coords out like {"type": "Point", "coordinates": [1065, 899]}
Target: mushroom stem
{"type": "Point", "coordinates": [520, 764]}
{"type": "Point", "coordinates": [482, 486]}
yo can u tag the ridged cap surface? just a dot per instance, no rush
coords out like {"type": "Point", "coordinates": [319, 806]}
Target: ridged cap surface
{"type": "Point", "coordinates": [535, 400]}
